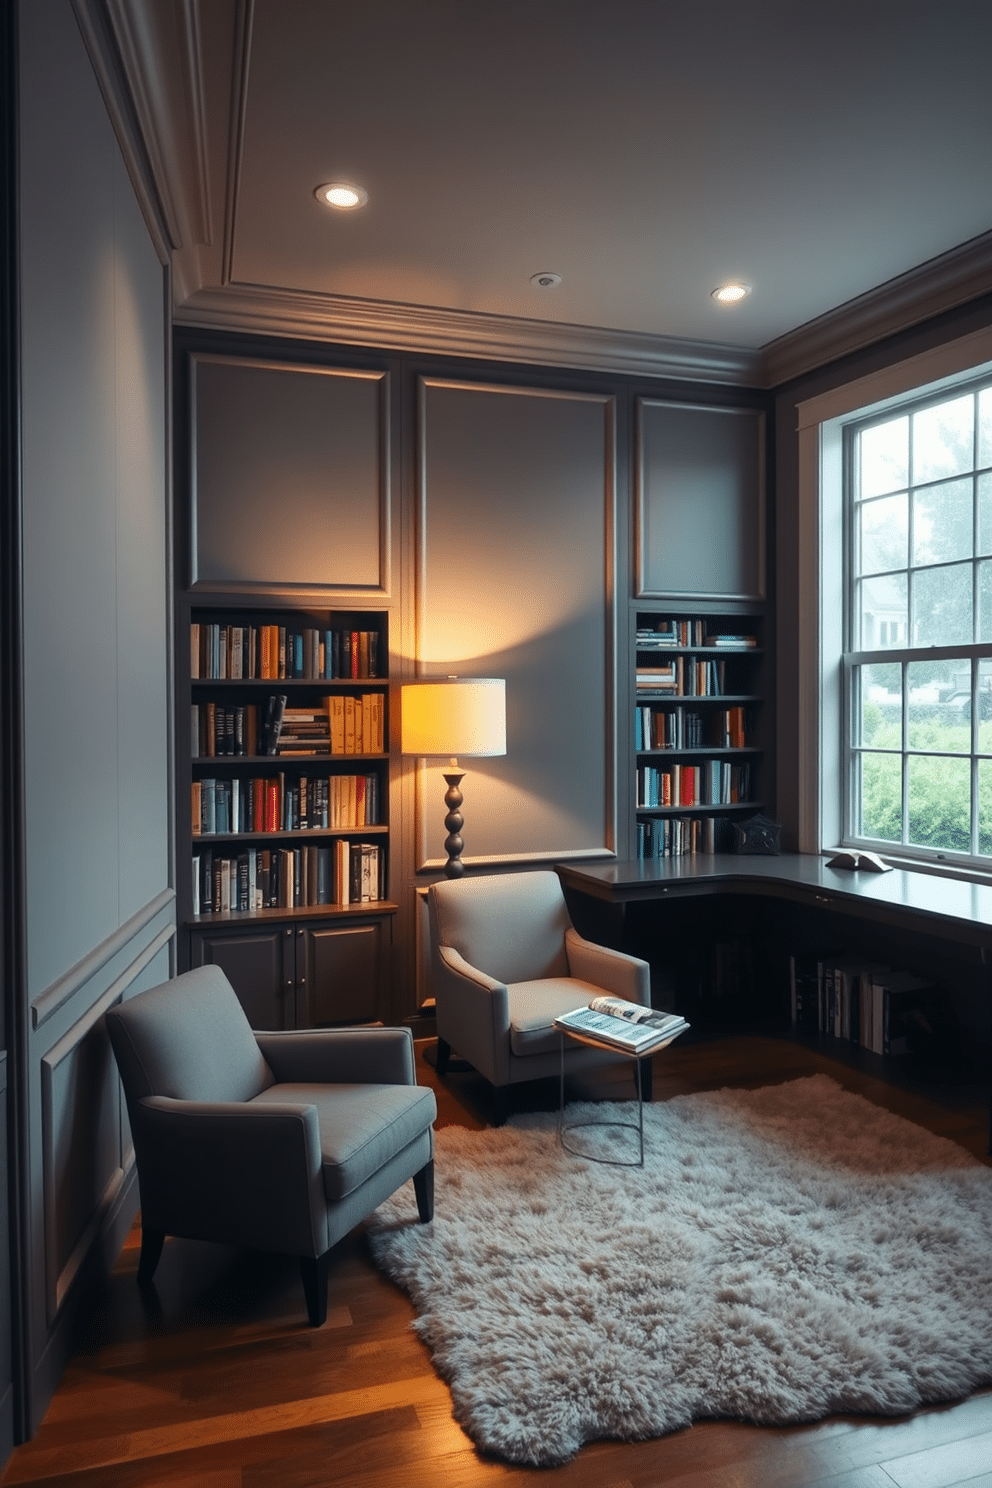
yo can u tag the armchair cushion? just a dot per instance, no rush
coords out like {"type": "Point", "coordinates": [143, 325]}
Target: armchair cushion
{"type": "Point", "coordinates": [361, 1126]}
{"type": "Point", "coordinates": [534, 1006]}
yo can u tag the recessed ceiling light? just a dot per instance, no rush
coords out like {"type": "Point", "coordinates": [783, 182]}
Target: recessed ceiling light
{"type": "Point", "coordinates": [546, 280]}
{"type": "Point", "coordinates": [342, 195]}
{"type": "Point", "coordinates": [729, 294]}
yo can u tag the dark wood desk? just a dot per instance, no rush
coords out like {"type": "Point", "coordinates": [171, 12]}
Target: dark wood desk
{"type": "Point", "coordinates": [946, 907]}
{"type": "Point", "coordinates": [950, 910]}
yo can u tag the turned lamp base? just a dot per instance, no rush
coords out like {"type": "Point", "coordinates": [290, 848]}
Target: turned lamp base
{"type": "Point", "coordinates": [453, 822]}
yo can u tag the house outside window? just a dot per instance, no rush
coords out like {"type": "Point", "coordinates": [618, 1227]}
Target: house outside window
{"type": "Point", "coordinates": [916, 707]}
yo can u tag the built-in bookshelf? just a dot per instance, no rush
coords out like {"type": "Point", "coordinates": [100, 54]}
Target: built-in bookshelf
{"type": "Point", "coordinates": [287, 805]}
{"type": "Point", "coordinates": [697, 702]}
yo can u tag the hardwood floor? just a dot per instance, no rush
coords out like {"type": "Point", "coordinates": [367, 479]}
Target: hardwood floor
{"type": "Point", "coordinates": [219, 1383]}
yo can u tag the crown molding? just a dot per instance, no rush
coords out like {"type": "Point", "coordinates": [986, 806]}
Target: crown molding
{"type": "Point", "coordinates": [416, 328]}
{"type": "Point", "coordinates": [105, 59]}
{"type": "Point", "coordinates": [942, 283]}
{"type": "Point", "coordinates": [147, 59]}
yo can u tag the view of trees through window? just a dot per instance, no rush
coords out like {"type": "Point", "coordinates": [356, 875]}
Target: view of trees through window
{"type": "Point", "coordinates": [919, 658]}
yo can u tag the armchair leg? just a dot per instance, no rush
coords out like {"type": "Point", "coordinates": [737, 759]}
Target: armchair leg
{"type": "Point", "coordinates": [647, 1073]}
{"type": "Point", "coordinates": [443, 1055]}
{"type": "Point", "coordinates": [152, 1242]}
{"type": "Point", "coordinates": [314, 1276]}
{"type": "Point", "coordinates": [501, 1104]}
{"type": "Point", "coordinates": [423, 1187]}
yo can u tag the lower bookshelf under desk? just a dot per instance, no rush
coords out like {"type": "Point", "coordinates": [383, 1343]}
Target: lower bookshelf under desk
{"type": "Point", "coordinates": [956, 914]}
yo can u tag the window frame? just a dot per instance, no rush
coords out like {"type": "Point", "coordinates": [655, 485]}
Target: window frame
{"type": "Point", "coordinates": [856, 654]}
{"type": "Point", "coordinates": [821, 689]}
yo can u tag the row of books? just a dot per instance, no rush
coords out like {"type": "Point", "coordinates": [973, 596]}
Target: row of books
{"type": "Point", "coordinates": [352, 724]}
{"type": "Point", "coordinates": [237, 652]}
{"type": "Point", "coordinates": [677, 836]}
{"type": "Point", "coordinates": [337, 803]}
{"type": "Point", "coordinates": [682, 728]}
{"type": "Point", "coordinates": [684, 677]}
{"type": "Point", "coordinates": [288, 878]}
{"type": "Point", "coordinates": [712, 782]}
{"type": "Point", "coordinates": [867, 1004]}
{"type": "Point", "coordinates": [687, 633]}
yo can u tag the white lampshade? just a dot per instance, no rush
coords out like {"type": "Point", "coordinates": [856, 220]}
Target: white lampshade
{"type": "Point", "coordinates": [457, 715]}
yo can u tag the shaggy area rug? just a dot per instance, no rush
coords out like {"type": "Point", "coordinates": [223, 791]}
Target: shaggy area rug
{"type": "Point", "coordinates": [784, 1254]}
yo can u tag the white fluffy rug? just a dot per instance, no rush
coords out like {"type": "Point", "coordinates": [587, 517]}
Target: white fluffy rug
{"type": "Point", "coordinates": [784, 1254]}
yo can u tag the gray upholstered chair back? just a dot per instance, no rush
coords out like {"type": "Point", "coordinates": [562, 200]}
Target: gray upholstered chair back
{"type": "Point", "coordinates": [188, 1039]}
{"type": "Point", "coordinates": [510, 925]}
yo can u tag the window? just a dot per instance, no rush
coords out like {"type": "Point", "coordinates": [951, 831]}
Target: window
{"type": "Point", "coordinates": [917, 666]}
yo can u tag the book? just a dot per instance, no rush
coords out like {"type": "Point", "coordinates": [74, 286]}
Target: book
{"type": "Point", "coordinates": [619, 1032]}
{"type": "Point", "coordinates": [854, 860]}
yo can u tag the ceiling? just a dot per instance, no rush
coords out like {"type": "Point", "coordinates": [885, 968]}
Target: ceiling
{"type": "Point", "coordinates": [834, 156]}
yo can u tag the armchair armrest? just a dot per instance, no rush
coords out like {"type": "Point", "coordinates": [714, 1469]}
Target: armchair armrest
{"type": "Point", "coordinates": [473, 1013]}
{"type": "Point", "coordinates": [614, 971]}
{"type": "Point", "coordinates": [232, 1172]}
{"type": "Point", "coordinates": [340, 1056]}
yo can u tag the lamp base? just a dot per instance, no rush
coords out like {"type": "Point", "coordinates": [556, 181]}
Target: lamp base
{"type": "Point", "coordinates": [454, 821]}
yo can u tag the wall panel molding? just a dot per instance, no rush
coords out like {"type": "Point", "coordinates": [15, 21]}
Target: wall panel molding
{"type": "Point", "coordinates": [81, 1102]}
{"type": "Point", "coordinates": [700, 471]}
{"type": "Point", "coordinates": [59, 993]}
{"type": "Point", "coordinates": [281, 449]}
{"type": "Point", "coordinates": [541, 613]}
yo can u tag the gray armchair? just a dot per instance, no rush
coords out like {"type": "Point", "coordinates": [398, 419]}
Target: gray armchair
{"type": "Point", "coordinates": [505, 961]}
{"type": "Point", "coordinates": [273, 1141]}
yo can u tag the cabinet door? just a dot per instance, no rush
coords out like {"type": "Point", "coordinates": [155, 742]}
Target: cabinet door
{"type": "Point", "coordinates": [260, 967]}
{"type": "Point", "coordinates": [340, 972]}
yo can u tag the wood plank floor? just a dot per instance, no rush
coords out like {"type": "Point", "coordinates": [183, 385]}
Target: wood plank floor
{"type": "Point", "coordinates": [219, 1383]}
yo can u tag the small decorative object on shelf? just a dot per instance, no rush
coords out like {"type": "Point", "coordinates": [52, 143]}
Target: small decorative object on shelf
{"type": "Point", "coordinates": [697, 699]}
{"type": "Point", "coordinates": [758, 836]}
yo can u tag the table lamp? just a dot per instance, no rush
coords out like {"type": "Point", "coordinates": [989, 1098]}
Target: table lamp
{"type": "Point", "coordinates": [453, 716]}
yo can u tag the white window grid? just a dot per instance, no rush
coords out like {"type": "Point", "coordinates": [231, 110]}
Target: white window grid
{"type": "Point", "coordinates": [975, 658]}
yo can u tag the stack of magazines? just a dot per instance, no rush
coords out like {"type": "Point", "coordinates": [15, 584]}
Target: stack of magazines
{"type": "Point", "coordinates": [623, 1025]}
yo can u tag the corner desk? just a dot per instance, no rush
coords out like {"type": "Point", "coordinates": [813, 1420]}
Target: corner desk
{"type": "Point", "coordinates": [947, 909]}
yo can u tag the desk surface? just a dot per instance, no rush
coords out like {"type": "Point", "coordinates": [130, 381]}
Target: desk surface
{"type": "Point", "coordinates": [947, 907]}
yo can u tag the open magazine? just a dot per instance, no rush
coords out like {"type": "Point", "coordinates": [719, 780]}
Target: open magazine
{"type": "Point", "coordinates": [622, 1024]}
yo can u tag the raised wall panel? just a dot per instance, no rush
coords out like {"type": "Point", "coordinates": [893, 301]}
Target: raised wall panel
{"type": "Point", "coordinates": [515, 580]}
{"type": "Point", "coordinates": [291, 487]}
{"type": "Point", "coordinates": [700, 528]}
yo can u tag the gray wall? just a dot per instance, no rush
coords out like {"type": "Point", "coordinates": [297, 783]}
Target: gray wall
{"type": "Point", "coordinates": [97, 900]}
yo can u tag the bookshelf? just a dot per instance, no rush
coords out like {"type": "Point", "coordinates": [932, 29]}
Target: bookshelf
{"type": "Point", "coordinates": [698, 696]}
{"type": "Point", "coordinates": [283, 807]}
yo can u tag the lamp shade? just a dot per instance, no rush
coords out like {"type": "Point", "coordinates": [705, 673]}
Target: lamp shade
{"type": "Point", "coordinates": [457, 715]}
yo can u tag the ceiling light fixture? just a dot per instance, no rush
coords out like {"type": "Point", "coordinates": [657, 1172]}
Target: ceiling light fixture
{"type": "Point", "coordinates": [342, 195]}
{"type": "Point", "coordinates": [729, 294]}
{"type": "Point", "coordinates": [546, 280]}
